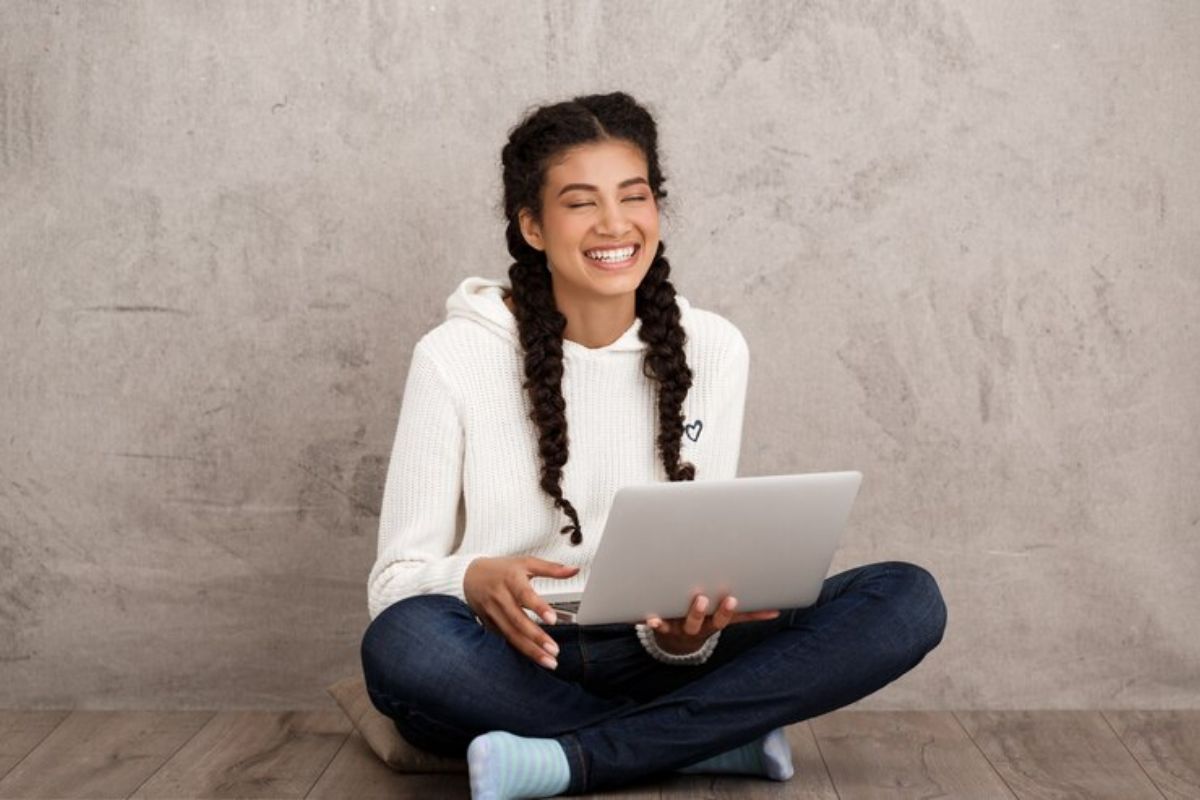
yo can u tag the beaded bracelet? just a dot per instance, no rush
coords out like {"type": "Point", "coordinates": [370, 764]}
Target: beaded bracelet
{"type": "Point", "coordinates": [646, 635]}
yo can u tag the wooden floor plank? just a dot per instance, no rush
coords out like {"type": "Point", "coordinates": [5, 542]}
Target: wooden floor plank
{"type": "Point", "coordinates": [21, 731]}
{"type": "Point", "coordinates": [646, 789]}
{"type": "Point", "coordinates": [101, 754]}
{"type": "Point", "coordinates": [357, 772]}
{"type": "Point", "coordinates": [1058, 754]}
{"type": "Point", "coordinates": [903, 754]}
{"type": "Point", "coordinates": [252, 754]}
{"type": "Point", "coordinates": [1040, 754]}
{"type": "Point", "coordinates": [1167, 744]}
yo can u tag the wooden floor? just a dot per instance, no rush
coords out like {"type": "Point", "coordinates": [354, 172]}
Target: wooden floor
{"type": "Point", "coordinates": [846, 754]}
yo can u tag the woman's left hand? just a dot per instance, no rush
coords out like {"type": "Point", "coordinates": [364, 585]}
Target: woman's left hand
{"type": "Point", "coordinates": [681, 635]}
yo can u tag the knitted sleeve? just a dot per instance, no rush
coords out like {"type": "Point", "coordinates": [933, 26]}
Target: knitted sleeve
{"type": "Point", "coordinates": [646, 635]}
{"type": "Point", "coordinates": [418, 514]}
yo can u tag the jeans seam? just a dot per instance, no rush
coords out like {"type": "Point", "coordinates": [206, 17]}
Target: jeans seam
{"type": "Point", "coordinates": [583, 776]}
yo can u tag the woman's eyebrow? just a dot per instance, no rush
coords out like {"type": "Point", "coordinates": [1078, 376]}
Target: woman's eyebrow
{"type": "Point", "coordinates": [590, 188]}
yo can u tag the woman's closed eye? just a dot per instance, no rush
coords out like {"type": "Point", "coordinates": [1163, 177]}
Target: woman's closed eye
{"type": "Point", "coordinates": [581, 205]}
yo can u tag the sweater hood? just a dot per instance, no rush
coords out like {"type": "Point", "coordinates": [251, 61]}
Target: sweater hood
{"type": "Point", "coordinates": [481, 300]}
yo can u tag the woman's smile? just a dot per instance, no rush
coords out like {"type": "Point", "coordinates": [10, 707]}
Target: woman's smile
{"type": "Point", "coordinates": [613, 259]}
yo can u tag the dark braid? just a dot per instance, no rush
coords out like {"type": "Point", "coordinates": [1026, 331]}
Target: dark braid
{"type": "Point", "coordinates": [533, 144]}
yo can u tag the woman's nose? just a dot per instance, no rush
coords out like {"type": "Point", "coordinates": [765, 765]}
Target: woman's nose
{"type": "Point", "coordinates": [612, 219]}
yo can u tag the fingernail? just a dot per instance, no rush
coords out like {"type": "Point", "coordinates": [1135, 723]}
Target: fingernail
{"type": "Point", "coordinates": [552, 648]}
{"type": "Point", "coordinates": [549, 616]}
{"type": "Point", "coordinates": [702, 603]}
{"type": "Point", "coordinates": [732, 604]}
{"type": "Point", "coordinates": [548, 662]}
{"type": "Point", "coordinates": [653, 624]}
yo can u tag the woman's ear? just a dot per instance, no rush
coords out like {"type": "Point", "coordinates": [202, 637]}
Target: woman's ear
{"type": "Point", "coordinates": [530, 229]}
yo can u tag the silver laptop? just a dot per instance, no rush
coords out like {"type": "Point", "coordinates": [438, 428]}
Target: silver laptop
{"type": "Point", "coordinates": [766, 540]}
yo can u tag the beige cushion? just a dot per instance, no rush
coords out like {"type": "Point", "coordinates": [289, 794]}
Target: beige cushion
{"type": "Point", "coordinates": [381, 735]}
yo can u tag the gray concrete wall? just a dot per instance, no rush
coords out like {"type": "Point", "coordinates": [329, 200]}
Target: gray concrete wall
{"type": "Point", "coordinates": [960, 238]}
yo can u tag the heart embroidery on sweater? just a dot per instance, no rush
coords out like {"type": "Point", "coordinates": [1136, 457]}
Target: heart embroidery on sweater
{"type": "Point", "coordinates": [697, 425]}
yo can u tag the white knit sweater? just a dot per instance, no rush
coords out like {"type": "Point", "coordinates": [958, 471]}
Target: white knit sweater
{"type": "Point", "coordinates": [463, 478]}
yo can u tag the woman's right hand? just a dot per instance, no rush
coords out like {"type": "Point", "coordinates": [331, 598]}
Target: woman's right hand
{"type": "Point", "coordinates": [497, 589]}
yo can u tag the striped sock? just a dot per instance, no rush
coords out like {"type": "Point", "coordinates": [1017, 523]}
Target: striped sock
{"type": "Point", "coordinates": [503, 766]}
{"type": "Point", "coordinates": [770, 755]}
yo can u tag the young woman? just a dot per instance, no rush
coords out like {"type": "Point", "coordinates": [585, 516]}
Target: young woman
{"type": "Point", "coordinates": [532, 404]}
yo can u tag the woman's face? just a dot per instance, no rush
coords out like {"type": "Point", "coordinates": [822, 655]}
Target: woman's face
{"type": "Point", "coordinates": [596, 201]}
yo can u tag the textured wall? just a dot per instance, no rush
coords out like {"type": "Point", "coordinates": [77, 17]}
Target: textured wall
{"type": "Point", "coordinates": [960, 238]}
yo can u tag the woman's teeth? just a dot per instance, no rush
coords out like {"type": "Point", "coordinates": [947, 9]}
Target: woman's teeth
{"type": "Point", "coordinates": [611, 256]}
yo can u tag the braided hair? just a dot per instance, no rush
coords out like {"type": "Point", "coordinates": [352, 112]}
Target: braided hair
{"type": "Point", "coordinates": [535, 142]}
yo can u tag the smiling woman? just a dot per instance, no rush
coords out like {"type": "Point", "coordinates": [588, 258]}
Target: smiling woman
{"type": "Point", "coordinates": [586, 367]}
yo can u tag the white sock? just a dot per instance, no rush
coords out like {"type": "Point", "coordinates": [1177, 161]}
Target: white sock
{"type": "Point", "coordinates": [770, 755]}
{"type": "Point", "coordinates": [504, 766]}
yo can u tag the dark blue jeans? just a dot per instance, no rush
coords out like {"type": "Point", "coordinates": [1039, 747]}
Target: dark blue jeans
{"type": "Point", "coordinates": [619, 714]}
